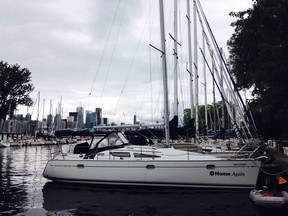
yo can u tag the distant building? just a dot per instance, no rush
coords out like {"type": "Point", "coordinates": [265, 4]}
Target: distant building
{"type": "Point", "coordinates": [19, 117]}
{"type": "Point", "coordinates": [105, 121]}
{"type": "Point", "coordinates": [90, 119]}
{"type": "Point", "coordinates": [87, 118]}
{"type": "Point", "coordinates": [134, 120]}
{"type": "Point", "coordinates": [49, 121]}
{"type": "Point", "coordinates": [98, 116]}
{"type": "Point", "coordinates": [28, 117]}
{"type": "Point", "coordinates": [74, 114]}
{"type": "Point", "coordinates": [70, 122]}
{"type": "Point", "coordinates": [80, 118]}
{"type": "Point", "coordinates": [57, 122]}
{"type": "Point", "coordinates": [63, 123]}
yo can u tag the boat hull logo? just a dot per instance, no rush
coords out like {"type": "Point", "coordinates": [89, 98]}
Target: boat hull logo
{"type": "Point", "coordinates": [217, 173]}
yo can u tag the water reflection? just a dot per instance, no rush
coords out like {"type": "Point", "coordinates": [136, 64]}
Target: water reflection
{"type": "Point", "coordinates": [124, 201]}
{"type": "Point", "coordinates": [20, 181]}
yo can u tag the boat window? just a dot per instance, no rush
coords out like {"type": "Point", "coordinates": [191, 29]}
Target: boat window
{"type": "Point", "coordinates": [95, 141]}
{"type": "Point", "coordinates": [123, 138]}
{"type": "Point", "coordinates": [112, 139]}
{"type": "Point", "coordinates": [139, 155]}
{"type": "Point", "coordinates": [120, 154]}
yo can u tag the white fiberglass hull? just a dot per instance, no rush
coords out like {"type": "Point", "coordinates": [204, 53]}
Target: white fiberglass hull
{"type": "Point", "coordinates": [178, 173]}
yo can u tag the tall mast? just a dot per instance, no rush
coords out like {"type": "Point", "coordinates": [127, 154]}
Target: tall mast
{"type": "Point", "coordinates": [205, 83]}
{"type": "Point", "coordinates": [175, 61]}
{"type": "Point", "coordinates": [42, 124]}
{"type": "Point", "coordinates": [214, 97]}
{"type": "Point", "coordinates": [50, 114]}
{"type": "Point", "coordinates": [164, 68]}
{"type": "Point", "coordinates": [43, 108]}
{"type": "Point", "coordinates": [222, 88]}
{"type": "Point", "coordinates": [38, 110]}
{"type": "Point", "coordinates": [38, 106]}
{"type": "Point", "coordinates": [196, 71]}
{"type": "Point", "coordinates": [190, 60]}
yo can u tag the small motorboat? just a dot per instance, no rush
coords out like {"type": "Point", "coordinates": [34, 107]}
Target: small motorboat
{"type": "Point", "coordinates": [268, 198]}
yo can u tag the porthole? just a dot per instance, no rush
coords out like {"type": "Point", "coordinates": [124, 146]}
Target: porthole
{"type": "Point", "coordinates": [210, 166]}
{"type": "Point", "coordinates": [150, 167]}
{"type": "Point", "coordinates": [80, 166]}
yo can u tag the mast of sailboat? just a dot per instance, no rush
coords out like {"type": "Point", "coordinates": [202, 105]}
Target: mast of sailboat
{"type": "Point", "coordinates": [38, 110]}
{"type": "Point", "coordinates": [164, 68]}
{"type": "Point", "coordinates": [221, 84]}
{"type": "Point", "coordinates": [214, 94]}
{"type": "Point", "coordinates": [190, 61]}
{"type": "Point", "coordinates": [175, 61]}
{"type": "Point", "coordinates": [38, 106]}
{"type": "Point", "coordinates": [196, 70]}
{"type": "Point", "coordinates": [205, 83]}
{"type": "Point", "coordinates": [42, 122]}
{"type": "Point", "coordinates": [50, 114]}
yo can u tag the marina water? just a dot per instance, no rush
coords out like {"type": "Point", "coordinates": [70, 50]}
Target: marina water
{"type": "Point", "coordinates": [24, 191]}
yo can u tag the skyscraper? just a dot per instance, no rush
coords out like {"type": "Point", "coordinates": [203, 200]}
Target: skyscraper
{"type": "Point", "coordinates": [134, 119]}
{"type": "Point", "coordinates": [90, 119]}
{"type": "Point", "coordinates": [99, 116]}
{"type": "Point", "coordinates": [80, 118]}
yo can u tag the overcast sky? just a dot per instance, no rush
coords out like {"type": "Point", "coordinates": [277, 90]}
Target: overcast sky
{"type": "Point", "coordinates": [96, 53]}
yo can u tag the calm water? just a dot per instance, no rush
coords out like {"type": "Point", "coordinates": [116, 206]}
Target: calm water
{"type": "Point", "coordinates": [23, 191]}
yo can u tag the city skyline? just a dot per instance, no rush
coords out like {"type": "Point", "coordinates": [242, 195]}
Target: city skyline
{"type": "Point", "coordinates": [80, 118]}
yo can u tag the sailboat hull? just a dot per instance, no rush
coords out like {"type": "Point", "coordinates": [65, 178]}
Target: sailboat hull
{"type": "Point", "coordinates": [210, 173]}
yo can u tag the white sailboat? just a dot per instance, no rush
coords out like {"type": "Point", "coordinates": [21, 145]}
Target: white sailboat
{"type": "Point", "coordinates": [109, 159]}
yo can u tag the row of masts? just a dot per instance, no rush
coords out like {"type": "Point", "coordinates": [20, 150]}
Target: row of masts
{"type": "Point", "coordinates": [58, 113]}
{"type": "Point", "coordinates": [217, 71]}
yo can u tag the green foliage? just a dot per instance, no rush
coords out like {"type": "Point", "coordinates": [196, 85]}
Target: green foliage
{"type": "Point", "coordinates": [15, 88]}
{"type": "Point", "coordinates": [187, 116]}
{"type": "Point", "coordinates": [258, 55]}
{"type": "Point", "coordinates": [214, 113]}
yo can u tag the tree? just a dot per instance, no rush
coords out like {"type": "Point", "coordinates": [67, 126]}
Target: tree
{"type": "Point", "coordinates": [214, 122]}
{"type": "Point", "coordinates": [15, 87]}
{"type": "Point", "coordinates": [258, 58]}
{"type": "Point", "coordinates": [186, 116]}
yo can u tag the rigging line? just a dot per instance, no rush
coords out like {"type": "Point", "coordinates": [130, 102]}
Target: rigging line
{"type": "Point", "coordinates": [222, 96]}
{"type": "Point", "coordinates": [218, 63]}
{"type": "Point", "coordinates": [226, 67]}
{"type": "Point", "coordinates": [102, 55]}
{"type": "Point", "coordinates": [131, 64]}
{"type": "Point", "coordinates": [150, 66]}
{"type": "Point", "coordinates": [113, 52]}
{"type": "Point", "coordinates": [181, 89]}
{"type": "Point", "coordinates": [179, 19]}
{"type": "Point", "coordinates": [151, 21]}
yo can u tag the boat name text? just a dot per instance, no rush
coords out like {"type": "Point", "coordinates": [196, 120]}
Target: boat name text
{"type": "Point", "coordinates": [217, 173]}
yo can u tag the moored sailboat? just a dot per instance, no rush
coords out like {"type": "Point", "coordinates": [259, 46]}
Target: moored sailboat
{"type": "Point", "coordinates": [109, 159]}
